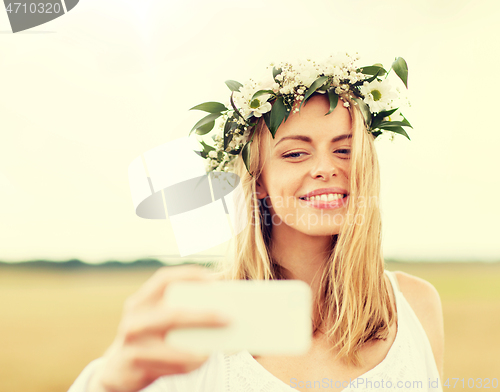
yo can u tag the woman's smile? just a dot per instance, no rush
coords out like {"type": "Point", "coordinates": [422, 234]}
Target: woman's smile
{"type": "Point", "coordinates": [325, 198]}
{"type": "Point", "coordinates": [324, 202]}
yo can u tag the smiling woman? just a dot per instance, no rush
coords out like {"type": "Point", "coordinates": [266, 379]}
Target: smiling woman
{"type": "Point", "coordinates": [314, 157]}
{"type": "Point", "coordinates": [312, 194]}
{"type": "Point", "coordinates": [310, 186]}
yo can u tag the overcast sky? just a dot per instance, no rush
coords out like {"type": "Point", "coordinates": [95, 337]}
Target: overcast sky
{"type": "Point", "coordinates": [84, 95]}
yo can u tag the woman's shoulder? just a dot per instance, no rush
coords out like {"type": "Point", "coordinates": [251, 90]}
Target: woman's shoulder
{"type": "Point", "coordinates": [425, 301]}
{"type": "Point", "coordinates": [417, 291]}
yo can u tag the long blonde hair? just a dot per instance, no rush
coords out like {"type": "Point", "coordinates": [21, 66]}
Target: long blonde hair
{"type": "Point", "coordinates": [352, 295]}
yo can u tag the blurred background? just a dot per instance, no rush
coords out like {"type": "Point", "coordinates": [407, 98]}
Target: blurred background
{"type": "Point", "coordinates": [89, 92]}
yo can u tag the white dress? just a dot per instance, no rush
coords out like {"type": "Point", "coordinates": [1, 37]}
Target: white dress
{"type": "Point", "coordinates": [408, 366]}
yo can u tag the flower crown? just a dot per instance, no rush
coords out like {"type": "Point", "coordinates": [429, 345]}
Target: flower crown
{"type": "Point", "coordinates": [289, 88]}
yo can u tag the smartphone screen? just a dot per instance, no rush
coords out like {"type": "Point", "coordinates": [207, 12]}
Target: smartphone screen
{"type": "Point", "coordinates": [268, 317]}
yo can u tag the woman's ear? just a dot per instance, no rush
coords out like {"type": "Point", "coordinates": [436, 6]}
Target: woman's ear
{"type": "Point", "coordinates": [260, 190]}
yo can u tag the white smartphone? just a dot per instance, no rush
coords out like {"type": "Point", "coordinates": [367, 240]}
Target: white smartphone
{"type": "Point", "coordinates": [268, 317]}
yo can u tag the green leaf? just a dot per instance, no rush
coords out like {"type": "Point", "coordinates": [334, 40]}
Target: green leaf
{"type": "Point", "coordinates": [206, 147]}
{"type": "Point", "coordinates": [211, 107]}
{"type": "Point", "coordinates": [278, 113]}
{"type": "Point", "coordinates": [386, 113]}
{"type": "Point", "coordinates": [201, 153]}
{"type": "Point", "coordinates": [229, 126]}
{"type": "Point", "coordinates": [233, 85]}
{"type": "Point", "coordinates": [288, 111]}
{"type": "Point", "coordinates": [394, 124]}
{"type": "Point", "coordinates": [406, 122]}
{"type": "Point", "coordinates": [369, 80]}
{"type": "Point", "coordinates": [238, 114]}
{"type": "Point", "coordinates": [401, 68]}
{"type": "Point", "coordinates": [314, 86]}
{"type": "Point", "coordinates": [376, 133]}
{"type": "Point", "coordinates": [333, 98]}
{"type": "Point", "coordinates": [267, 119]}
{"type": "Point", "coordinates": [380, 117]}
{"type": "Point", "coordinates": [261, 92]}
{"type": "Point", "coordinates": [399, 130]}
{"type": "Point", "coordinates": [365, 110]}
{"type": "Point", "coordinates": [205, 120]}
{"type": "Point", "coordinates": [376, 70]}
{"type": "Point", "coordinates": [276, 72]}
{"type": "Point", "coordinates": [325, 86]}
{"type": "Point", "coordinates": [204, 129]}
{"type": "Point", "coordinates": [245, 154]}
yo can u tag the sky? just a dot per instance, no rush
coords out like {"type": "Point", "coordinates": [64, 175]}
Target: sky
{"type": "Point", "coordinates": [87, 93]}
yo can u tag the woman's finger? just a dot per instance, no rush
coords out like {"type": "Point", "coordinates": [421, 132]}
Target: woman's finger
{"type": "Point", "coordinates": [152, 291]}
{"type": "Point", "coordinates": [161, 320]}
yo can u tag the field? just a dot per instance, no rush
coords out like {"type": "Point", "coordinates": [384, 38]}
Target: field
{"type": "Point", "coordinates": [54, 322]}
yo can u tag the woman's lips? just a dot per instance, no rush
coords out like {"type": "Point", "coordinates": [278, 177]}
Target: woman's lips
{"type": "Point", "coordinates": [330, 205]}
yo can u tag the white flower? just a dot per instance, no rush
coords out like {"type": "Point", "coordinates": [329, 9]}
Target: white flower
{"type": "Point", "coordinates": [248, 106]}
{"type": "Point", "coordinates": [220, 166]}
{"type": "Point", "coordinates": [307, 73]}
{"type": "Point", "coordinates": [378, 95]}
{"type": "Point", "coordinates": [286, 89]}
{"type": "Point", "coordinates": [212, 154]}
{"type": "Point", "coordinates": [260, 106]}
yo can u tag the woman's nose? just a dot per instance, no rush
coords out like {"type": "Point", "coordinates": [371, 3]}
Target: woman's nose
{"type": "Point", "coordinates": [324, 166]}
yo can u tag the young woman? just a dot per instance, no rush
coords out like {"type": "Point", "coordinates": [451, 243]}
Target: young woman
{"type": "Point", "coordinates": [311, 197]}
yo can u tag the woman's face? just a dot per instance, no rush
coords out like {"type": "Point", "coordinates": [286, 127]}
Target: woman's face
{"type": "Point", "coordinates": [306, 169]}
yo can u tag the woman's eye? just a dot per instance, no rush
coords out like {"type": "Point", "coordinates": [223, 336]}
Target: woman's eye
{"type": "Point", "coordinates": [344, 151]}
{"type": "Point", "coordinates": [293, 155]}
{"type": "Point", "coordinates": [298, 154]}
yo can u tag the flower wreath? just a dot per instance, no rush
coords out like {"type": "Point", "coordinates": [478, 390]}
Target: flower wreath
{"type": "Point", "coordinates": [289, 88]}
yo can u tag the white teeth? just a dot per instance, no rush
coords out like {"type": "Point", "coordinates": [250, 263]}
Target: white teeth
{"type": "Point", "coordinates": [325, 197]}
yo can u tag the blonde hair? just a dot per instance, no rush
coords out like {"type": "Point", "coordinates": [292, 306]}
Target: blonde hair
{"type": "Point", "coordinates": [352, 293]}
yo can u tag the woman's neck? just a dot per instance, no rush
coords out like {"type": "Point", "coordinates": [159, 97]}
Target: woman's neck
{"type": "Point", "coordinates": [301, 256]}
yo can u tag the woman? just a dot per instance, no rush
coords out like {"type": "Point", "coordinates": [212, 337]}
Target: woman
{"type": "Point", "coordinates": [310, 188]}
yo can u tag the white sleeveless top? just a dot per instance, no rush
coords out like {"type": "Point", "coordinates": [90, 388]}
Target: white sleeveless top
{"type": "Point", "coordinates": [408, 366]}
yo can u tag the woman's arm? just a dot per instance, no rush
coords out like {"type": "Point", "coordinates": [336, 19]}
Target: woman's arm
{"type": "Point", "coordinates": [425, 302]}
{"type": "Point", "coordinates": [139, 356]}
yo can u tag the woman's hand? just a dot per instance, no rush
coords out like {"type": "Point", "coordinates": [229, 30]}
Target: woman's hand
{"type": "Point", "coordinates": [139, 354]}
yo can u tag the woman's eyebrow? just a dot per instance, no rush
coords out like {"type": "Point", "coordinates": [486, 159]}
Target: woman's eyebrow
{"type": "Point", "coordinates": [309, 140]}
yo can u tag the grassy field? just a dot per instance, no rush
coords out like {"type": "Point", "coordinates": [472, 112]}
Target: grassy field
{"type": "Point", "coordinates": [54, 322]}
